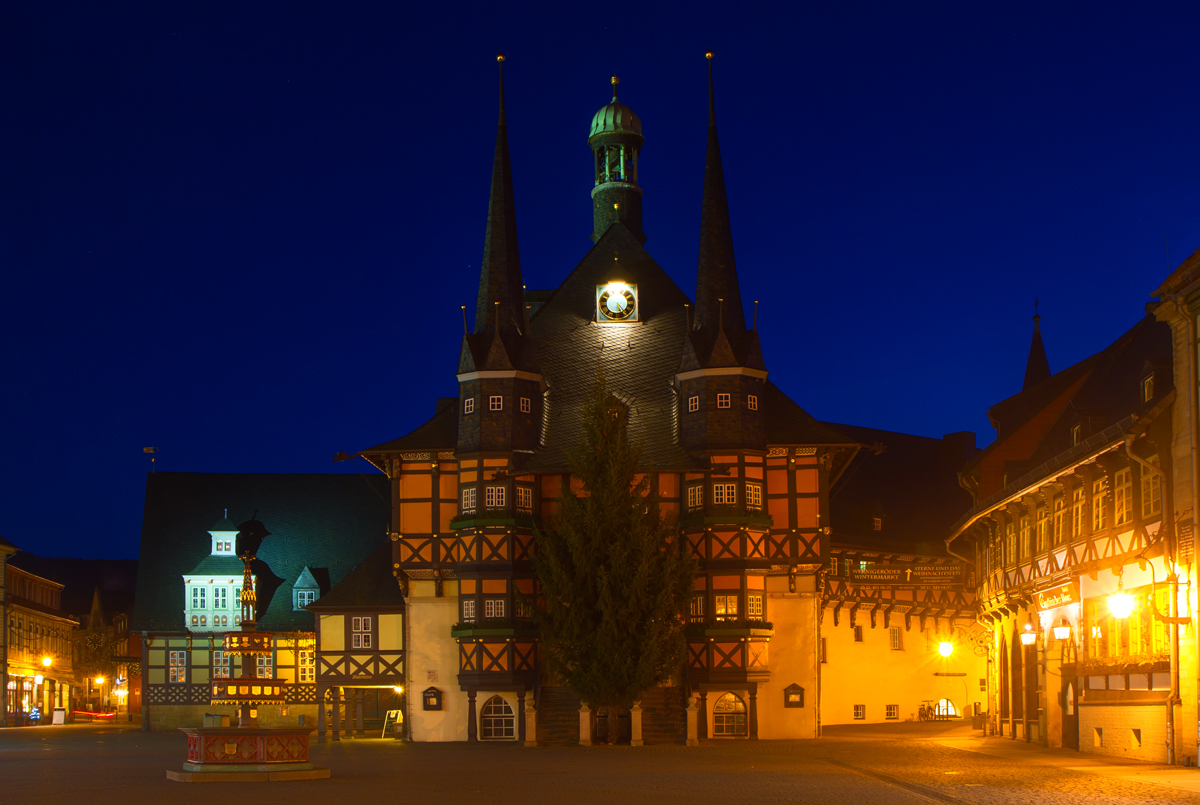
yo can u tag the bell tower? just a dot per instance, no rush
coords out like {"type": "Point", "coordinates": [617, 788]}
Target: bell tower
{"type": "Point", "coordinates": [616, 141]}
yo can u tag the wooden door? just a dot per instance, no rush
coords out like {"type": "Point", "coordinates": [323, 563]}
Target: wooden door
{"type": "Point", "coordinates": [1070, 698]}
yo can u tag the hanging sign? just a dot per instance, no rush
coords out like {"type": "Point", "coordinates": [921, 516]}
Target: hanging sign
{"type": "Point", "coordinates": [1057, 597]}
{"type": "Point", "coordinates": [908, 575]}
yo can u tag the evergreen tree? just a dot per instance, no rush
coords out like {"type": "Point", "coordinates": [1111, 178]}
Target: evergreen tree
{"type": "Point", "coordinates": [614, 578]}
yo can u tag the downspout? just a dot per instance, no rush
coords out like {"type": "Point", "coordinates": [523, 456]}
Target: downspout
{"type": "Point", "coordinates": [1173, 582]}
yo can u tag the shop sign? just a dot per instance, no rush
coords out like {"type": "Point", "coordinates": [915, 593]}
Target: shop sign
{"type": "Point", "coordinates": [908, 575]}
{"type": "Point", "coordinates": [1057, 597]}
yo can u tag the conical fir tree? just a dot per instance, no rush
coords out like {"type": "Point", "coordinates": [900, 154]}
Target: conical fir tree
{"type": "Point", "coordinates": [615, 579]}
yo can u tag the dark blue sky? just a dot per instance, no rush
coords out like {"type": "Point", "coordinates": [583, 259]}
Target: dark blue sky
{"type": "Point", "coordinates": [242, 232]}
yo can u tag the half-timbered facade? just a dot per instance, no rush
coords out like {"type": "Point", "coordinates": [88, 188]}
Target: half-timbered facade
{"type": "Point", "coordinates": [310, 531]}
{"type": "Point", "coordinates": [1073, 534]}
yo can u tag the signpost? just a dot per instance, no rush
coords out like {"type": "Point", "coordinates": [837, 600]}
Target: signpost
{"type": "Point", "coordinates": [907, 576]}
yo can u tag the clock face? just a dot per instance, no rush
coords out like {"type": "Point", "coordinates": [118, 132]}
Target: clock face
{"type": "Point", "coordinates": [616, 301]}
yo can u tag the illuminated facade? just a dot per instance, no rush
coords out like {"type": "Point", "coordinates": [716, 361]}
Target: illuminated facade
{"type": "Point", "coordinates": [37, 647]}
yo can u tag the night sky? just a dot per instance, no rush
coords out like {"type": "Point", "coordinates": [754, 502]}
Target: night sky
{"type": "Point", "coordinates": [241, 233]}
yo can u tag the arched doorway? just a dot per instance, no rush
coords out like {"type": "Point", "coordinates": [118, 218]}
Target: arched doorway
{"type": "Point", "coordinates": [1016, 685]}
{"type": "Point", "coordinates": [1002, 691]}
{"type": "Point", "coordinates": [946, 709]}
{"type": "Point", "coordinates": [729, 717]}
{"type": "Point", "coordinates": [497, 722]}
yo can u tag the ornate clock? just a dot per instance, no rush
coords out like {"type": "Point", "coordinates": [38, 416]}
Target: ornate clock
{"type": "Point", "coordinates": [616, 302]}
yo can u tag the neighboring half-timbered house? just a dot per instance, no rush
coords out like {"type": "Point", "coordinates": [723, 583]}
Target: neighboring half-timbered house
{"type": "Point", "coordinates": [310, 531]}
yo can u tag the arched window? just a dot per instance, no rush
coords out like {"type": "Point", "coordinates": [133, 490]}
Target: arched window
{"type": "Point", "coordinates": [729, 716]}
{"type": "Point", "coordinates": [945, 709]}
{"type": "Point", "coordinates": [496, 721]}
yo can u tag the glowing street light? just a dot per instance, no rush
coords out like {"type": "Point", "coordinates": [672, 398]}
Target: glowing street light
{"type": "Point", "coordinates": [1028, 636]}
{"type": "Point", "coordinates": [99, 680]}
{"type": "Point", "coordinates": [945, 648]}
{"type": "Point", "coordinates": [1062, 629]}
{"type": "Point", "coordinates": [398, 688]}
{"type": "Point", "coordinates": [1120, 603]}
{"type": "Point", "coordinates": [47, 662]}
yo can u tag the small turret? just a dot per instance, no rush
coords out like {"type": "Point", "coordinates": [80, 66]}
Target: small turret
{"type": "Point", "coordinates": [1037, 367]}
{"type": "Point", "coordinates": [616, 140]}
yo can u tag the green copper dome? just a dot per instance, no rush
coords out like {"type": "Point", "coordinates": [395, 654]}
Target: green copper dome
{"type": "Point", "coordinates": [615, 117]}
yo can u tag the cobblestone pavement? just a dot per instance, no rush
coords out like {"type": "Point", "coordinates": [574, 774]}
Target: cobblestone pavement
{"type": "Point", "coordinates": [890, 764]}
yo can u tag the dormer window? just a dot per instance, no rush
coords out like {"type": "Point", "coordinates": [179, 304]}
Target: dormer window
{"type": "Point", "coordinates": [1148, 388]}
{"type": "Point", "coordinates": [305, 591]}
{"type": "Point", "coordinates": [305, 597]}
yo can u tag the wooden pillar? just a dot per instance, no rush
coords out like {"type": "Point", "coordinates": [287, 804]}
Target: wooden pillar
{"type": "Point", "coordinates": [358, 712]}
{"type": "Point", "coordinates": [521, 715]}
{"type": "Point", "coordinates": [472, 735]}
{"type": "Point", "coordinates": [752, 716]}
{"type": "Point", "coordinates": [337, 713]}
{"type": "Point", "coordinates": [321, 692]}
{"type": "Point", "coordinates": [142, 683]}
{"type": "Point", "coordinates": [703, 725]}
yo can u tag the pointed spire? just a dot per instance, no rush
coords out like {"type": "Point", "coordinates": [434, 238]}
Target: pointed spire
{"type": "Point", "coordinates": [1037, 368]}
{"type": "Point", "coordinates": [500, 272]}
{"type": "Point", "coordinates": [717, 275]}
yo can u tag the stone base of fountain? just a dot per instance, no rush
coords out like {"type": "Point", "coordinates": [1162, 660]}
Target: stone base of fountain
{"type": "Point", "coordinates": [247, 755]}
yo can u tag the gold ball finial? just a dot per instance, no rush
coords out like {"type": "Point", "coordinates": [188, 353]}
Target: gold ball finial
{"type": "Point", "coordinates": [707, 55]}
{"type": "Point", "coordinates": [500, 57]}
{"type": "Point", "coordinates": [616, 80]}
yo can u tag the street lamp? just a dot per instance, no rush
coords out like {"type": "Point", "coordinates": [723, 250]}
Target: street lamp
{"type": "Point", "coordinates": [1120, 603]}
{"type": "Point", "coordinates": [945, 648]}
{"type": "Point", "coordinates": [99, 680]}
{"type": "Point", "coordinates": [47, 662]}
{"type": "Point", "coordinates": [1028, 636]}
{"type": "Point", "coordinates": [1062, 629]}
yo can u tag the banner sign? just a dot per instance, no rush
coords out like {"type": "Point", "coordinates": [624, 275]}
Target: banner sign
{"type": "Point", "coordinates": [907, 575]}
{"type": "Point", "coordinates": [1057, 597]}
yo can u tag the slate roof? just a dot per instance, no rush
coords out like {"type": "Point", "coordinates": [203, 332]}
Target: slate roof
{"type": "Point", "coordinates": [789, 424]}
{"type": "Point", "coordinates": [326, 522]}
{"type": "Point", "coordinates": [218, 566]}
{"type": "Point", "coordinates": [370, 584]}
{"type": "Point", "coordinates": [439, 433]}
{"type": "Point", "coordinates": [81, 578]}
{"type": "Point", "coordinates": [912, 486]}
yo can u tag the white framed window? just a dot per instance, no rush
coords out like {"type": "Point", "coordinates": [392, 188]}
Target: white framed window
{"type": "Point", "coordinates": [725, 607]}
{"type": "Point", "coordinates": [722, 400]}
{"type": "Point", "coordinates": [1098, 520]}
{"type": "Point", "coordinates": [860, 712]}
{"type": "Point", "coordinates": [469, 405]}
{"type": "Point", "coordinates": [524, 498]}
{"type": "Point", "coordinates": [754, 605]}
{"type": "Point", "coordinates": [1042, 530]}
{"type": "Point", "coordinates": [497, 722]}
{"type": "Point", "coordinates": [695, 496]}
{"type": "Point", "coordinates": [494, 497]}
{"type": "Point", "coordinates": [895, 638]}
{"type": "Point", "coordinates": [893, 712]}
{"type": "Point", "coordinates": [306, 665]}
{"type": "Point", "coordinates": [696, 607]}
{"type": "Point", "coordinates": [305, 597]}
{"type": "Point", "coordinates": [1059, 521]}
{"type": "Point", "coordinates": [360, 632]}
{"type": "Point", "coordinates": [197, 597]}
{"type": "Point", "coordinates": [177, 666]}
{"type": "Point", "coordinates": [493, 608]}
{"type": "Point", "coordinates": [265, 665]}
{"type": "Point", "coordinates": [724, 494]}
{"type": "Point", "coordinates": [468, 610]}
{"type": "Point", "coordinates": [693, 403]}
{"type": "Point", "coordinates": [468, 499]}
{"type": "Point", "coordinates": [754, 496]}
{"type": "Point", "coordinates": [495, 403]}
{"type": "Point", "coordinates": [1123, 496]}
{"type": "Point", "coordinates": [220, 598]}
{"type": "Point", "coordinates": [1151, 490]}
{"type": "Point", "coordinates": [858, 634]}
{"type": "Point", "coordinates": [525, 405]}
{"type": "Point", "coordinates": [220, 665]}
{"type": "Point", "coordinates": [729, 716]}
{"type": "Point", "coordinates": [752, 402]}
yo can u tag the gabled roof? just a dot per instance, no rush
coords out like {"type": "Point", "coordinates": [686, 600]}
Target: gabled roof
{"type": "Point", "coordinates": [5, 545]}
{"type": "Point", "coordinates": [789, 424]}
{"type": "Point", "coordinates": [305, 581]}
{"type": "Point", "coordinates": [1184, 275]}
{"type": "Point", "coordinates": [439, 433]}
{"type": "Point", "coordinates": [370, 584]}
{"type": "Point", "coordinates": [329, 521]}
{"type": "Point", "coordinates": [218, 566]}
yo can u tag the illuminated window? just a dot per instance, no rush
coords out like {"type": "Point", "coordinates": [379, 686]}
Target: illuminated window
{"type": "Point", "coordinates": [177, 666]}
{"type": "Point", "coordinates": [895, 638]}
{"type": "Point", "coordinates": [204, 620]}
{"type": "Point", "coordinates": [1060, 517]}
{"type": "Point", "coordinates": [468, 610]}
{"type": "Point", "coordinates": [724, 494]}
{"type": "Point", "coordinates": [1148, 389]}
{"type": "Point", "coordinates": [525, 498]}
{"type": "Point", "coordinates": [220, 598]}
{"type": "Point", "coordinates": [1026, 532]}
{"type": "Point", "coordinates": [1123, 496]}
{"type": "Point", "coordinates": [693, 403]}
{"type": "Point", "coordinates": [224, 620]}
{"type": "Point", "coordinates": [496, 720]}
{"type": "Point", "coordinates": [195, 620]}
{"type": "Point", "coordinates": [1077, 520]}
{"type": "Point", "coordinates": [468, 499]}
{"type": "Point", "coordinates": [833, 566]}
{"type": "Point", "coordinates": [493, 608]}
{"type": "Point", "coordinates": [729, 716]}
{"type": "Point", "coordinates": [725, 607]}
{"type": "Point", "coordinates": [754, 496]}
{"type": "Point", "coordinates": [306, 665]}
{"type": "Point", "coordinates": [752, 402]}
{"type": "Point", "coordinates": [1043, 527]}
{"type": "Point", "coordinates": [494, 497]}
{"type": "Point", "coordinates": [858, 634]}
{"type": "Point", "coordinates": [860, 712]}
{"type": "Point", "coordinates": [360, 632]}
{"type": "Point", "coordinates": [945, 707]}
{"type": "Point", "coordinates": [1010, 542]}
{"type": "Point", "coordinates": [220, 665]}
{"type": "Point", "coordinates": [525, 406]}
{"type": "Point", "coordinates": [1098, 521]}
{"type": "Point", "coordinates": [496, 403]}
{"type": "Point", "coordinates": [892, 711]}
{"type": "Point", "coordinates": [265, 666]}
{"type": "Point", "coordinates": [469, 405]}
{"type": "Point", "coordinates": [722, 400]}
{"type": "Point", "coordinates": [695, 496]}
{"type": "Point", "coordinates": [1151, 491]}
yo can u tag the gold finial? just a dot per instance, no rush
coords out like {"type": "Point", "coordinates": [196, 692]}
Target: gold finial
{"type": "Point", "coordinates": [707, 55]}
{"type": "Point", "coordinates": [616, 80]}
{"type": "Point", "coordinates": [500, 57]}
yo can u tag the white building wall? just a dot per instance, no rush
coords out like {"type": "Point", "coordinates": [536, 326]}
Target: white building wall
{"type": "Point", "coordinates": [432, 653]}
{"type": "Point", "coordinates": [1130, 731]}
